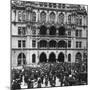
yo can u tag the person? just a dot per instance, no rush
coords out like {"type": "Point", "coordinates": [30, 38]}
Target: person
{"type": "Point", "coordinates": [46, 80]}
{"type": "Point", "coordinates": [30, 84]}
{"type": "Point", "coordinates": [39, 83]}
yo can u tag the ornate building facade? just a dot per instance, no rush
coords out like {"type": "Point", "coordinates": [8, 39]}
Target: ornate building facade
{"type": "Point", "coordinates": [48, 32]}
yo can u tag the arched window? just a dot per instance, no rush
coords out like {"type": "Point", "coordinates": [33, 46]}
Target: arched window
{"type": "Point", "coordinates": [62, 44]}
{"type": "Point", "coordinates": [61, 31]}
{"type": "Point", "coordinates": [69, 57]}
{"type": "Point", "coordinates": [52, 17]}
{"type": "Point", "coordinates": [43, 43]}
{"type": "Point", "coordinates": [61, 18]}
{"type": "Point", "coordinates": [43, 30]}
{"type": "Point", "coordinates": [21, 59]}
{"type": "Point", "coordinates": [61, 57]}
{"type": "Point", "coordinates": [33, 58]}
{"type": "Point", "coordinates": [52, 30]}
{"type": "Point", "coordinates": [52, 43]}
{"type": "Point", "coordinates": [43, 16]}
{"type": "Point", "coordinates": [52, 57]}
{"type": "Point", "coordinates": [78, 57]}
{"type": "Point", "coordinates": [43, 57]}
{"type": "Point", "coordinates": [33, 16]}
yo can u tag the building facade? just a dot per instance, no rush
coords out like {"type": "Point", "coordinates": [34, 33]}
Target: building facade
{"type": "Point", "coordinates": [48, 32]}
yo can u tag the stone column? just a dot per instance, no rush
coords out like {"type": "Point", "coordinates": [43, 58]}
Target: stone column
{"type": "Point", "coordinates": [47, 17]}
{"type": "Point", "coordinates": [38, 16]}
{"type": "Point", "coordinates": [56, 21]}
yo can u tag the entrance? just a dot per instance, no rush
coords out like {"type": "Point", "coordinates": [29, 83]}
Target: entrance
{"type": "Point", "coordinates": [61, 57]}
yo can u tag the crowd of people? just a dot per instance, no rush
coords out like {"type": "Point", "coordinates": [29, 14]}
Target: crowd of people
{"type": "Point", "coordinates": [49, 75]}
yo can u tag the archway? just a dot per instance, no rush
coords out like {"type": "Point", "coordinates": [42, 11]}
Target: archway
{"type": "Point", "coordinates": [21, 59]}
{"type": "Point", "coordinates": [61, 31]}
{"type": "Point", "coordinates": [52, 57]}
{"type": "Point", "coordinates": [52, 43]}
{"type": "Point", "coordinates": [43, 57]}
{"type": "Point", "coordinates": [78, 57]}
{"type": "Point", "coordinates": [62, 44]}
{"type": "Point", "coordinates": [43, 43]}
{"type": "Point", "coordinates": [52, 30]}
{"type": "Point", "coordinates": [43, 30]}
{"type": "Point", "coordinates": [61, 57]}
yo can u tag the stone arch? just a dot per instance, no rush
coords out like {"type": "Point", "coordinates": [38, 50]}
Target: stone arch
{"type": "Point", "coordinates": [52, 30]}
{"type": "Point", "coordinates": [43, 30]}
{"type": "Point", "coordinates": [21, 59]}
{"type": "Point", "coordinates": [61, 57]}
{"type": "Point", "coordinates": [78, 57]}
{"type": "Point", "coordinates": [43, 57]}
{"type": "Point", "coordinates": [52, 57]}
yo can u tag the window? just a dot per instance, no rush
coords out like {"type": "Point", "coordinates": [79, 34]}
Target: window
{"type": "Point", "coordinates": [69, 19]}
{"type": "Point", "coordinates": [69, 57]}
{"type": "Point", "coordinates": [79, 20]}
{"type": "Point", "coordinates": [21, 59]}
{"type": "Point", "coordinates": [78, 33]}
{"type": "Point", "coordinates": [33, 43]}
{"type": "Point", "coordinates": [69, 44]}
{"type": "Point", "coordinates": [33, 16]}
{"type": "Point", "coordinates": [59, 6]}
{"type": "Point", "coordinates": [52, 17]}
{"type": "Point", "coordinates": [19, 43]}
{"type": "Point", "coordinates": [63, 5]}
{"type": "Point", "coordinates": [33, 58]}
{"type": "Point", "coordinates": [33, 30]}
{"type": "Point", "coordinates": [54, 5]}
{"type": "Point", "coordinates": [23, 16]}
{"type": "Point", "coordinates": [45, 4]}
{"type": "Point", "coordinates": [20, 16]}
{"type": "Point", "coordinates": [41, 4]}
{"type": "Point", "coordinates": [21, 30]}
{"type": "Point", "coordinates": [24, 43]}
{"type": "Point", "coordinates": [78, 44]}
{"type": "Point", "coordinates": [43, 16]}
{"type": "Point", "coordinates": [50, 4]}
{"type": "Point", "coordinates": [69, 33]}
{"type": "Point", "coordinates": [61, 18]}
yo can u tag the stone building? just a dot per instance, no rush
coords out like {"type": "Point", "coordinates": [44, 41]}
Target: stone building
{"type": "Point", "coordinates": [48, 32]}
